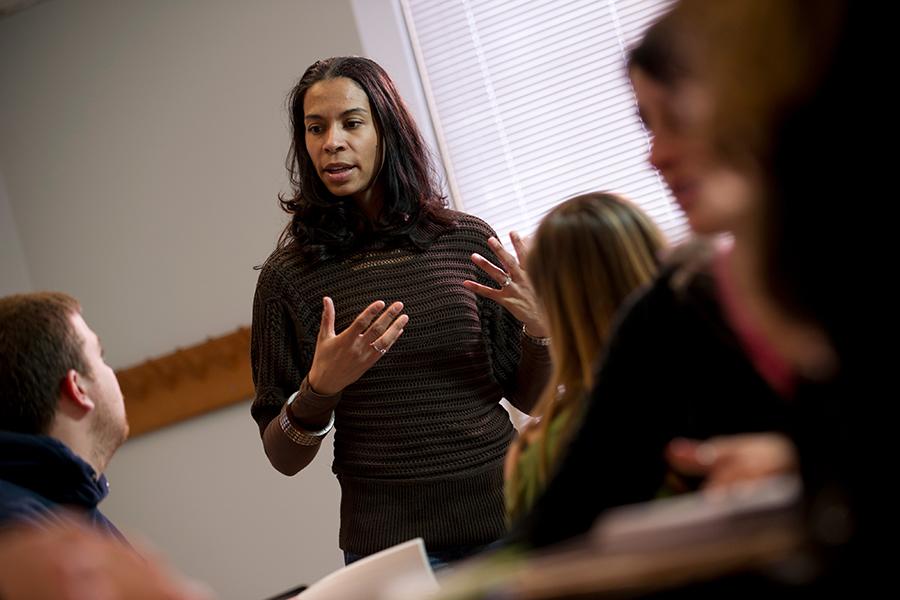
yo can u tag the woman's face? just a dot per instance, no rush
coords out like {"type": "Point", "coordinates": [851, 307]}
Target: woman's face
{"type": "Point", "coordinates": [675, 116]}
{"type": "Point", "coordinates": [341, 138]}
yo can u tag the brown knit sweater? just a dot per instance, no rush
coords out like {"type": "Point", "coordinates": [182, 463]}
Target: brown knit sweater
{"type": "Point", "coordinates": [420, 438]}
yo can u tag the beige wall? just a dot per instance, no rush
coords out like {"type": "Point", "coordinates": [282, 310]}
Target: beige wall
{"type": "Point", "coordinates": [142, 145]}
{"type": "Point", "coordinates": [203, 492]}
{"type": "Point", "coordinates": [13, 270]}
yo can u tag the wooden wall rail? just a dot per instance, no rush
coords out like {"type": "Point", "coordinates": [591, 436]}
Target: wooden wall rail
{"type": "Point", "coordinates": [188, 382]}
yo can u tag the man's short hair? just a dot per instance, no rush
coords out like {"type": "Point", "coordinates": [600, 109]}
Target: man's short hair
{"type": "Point", "coordinates": [38, 346]}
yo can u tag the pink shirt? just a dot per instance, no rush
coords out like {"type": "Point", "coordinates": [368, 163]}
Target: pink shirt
{"type": "Point", "coordinates": [768, 363]}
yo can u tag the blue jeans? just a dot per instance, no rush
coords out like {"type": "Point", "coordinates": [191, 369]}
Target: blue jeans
{"type": "Point", "coordinates": [438, 559]}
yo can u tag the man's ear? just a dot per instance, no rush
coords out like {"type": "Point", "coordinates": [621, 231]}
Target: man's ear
{"type": "Point", "coordinates": [74, 392]}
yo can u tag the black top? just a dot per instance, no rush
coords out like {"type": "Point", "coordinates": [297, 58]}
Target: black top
{"type": "Point", "coordinates": [420, 438]}
{"type": "Point", "coordinates": [39, 475]}
{"type": "Point", "coordinates": [673, 368]}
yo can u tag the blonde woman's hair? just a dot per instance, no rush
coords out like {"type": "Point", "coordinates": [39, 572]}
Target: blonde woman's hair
{"type": "Point", "coordinates": [588, 255]}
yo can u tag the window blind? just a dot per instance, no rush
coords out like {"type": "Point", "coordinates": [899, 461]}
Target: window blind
{"type": "Point", "coordinates": [531, 104]}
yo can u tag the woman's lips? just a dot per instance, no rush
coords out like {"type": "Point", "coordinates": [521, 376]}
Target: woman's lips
{"type": "Point", "coordinates": [337, 173]}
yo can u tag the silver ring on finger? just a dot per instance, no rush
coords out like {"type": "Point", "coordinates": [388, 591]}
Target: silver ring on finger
{"type": "Point", "coordinates": [377, 349]}
{"type": "Point", "coordinates": [506, 281]}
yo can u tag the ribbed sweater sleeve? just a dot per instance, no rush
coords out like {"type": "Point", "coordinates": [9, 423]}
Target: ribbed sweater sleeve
{"type": "Point", "coordinates": [281, 355]}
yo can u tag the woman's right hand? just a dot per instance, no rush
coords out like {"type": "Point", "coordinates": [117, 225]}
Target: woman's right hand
{"type": "Point", "coordinates": [341, 359]}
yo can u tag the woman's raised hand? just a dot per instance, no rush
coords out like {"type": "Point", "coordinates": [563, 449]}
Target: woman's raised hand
{"type": "Point", "coordinates": [341, 359]}
{"type": "Point", "coordinates": [516, 293]}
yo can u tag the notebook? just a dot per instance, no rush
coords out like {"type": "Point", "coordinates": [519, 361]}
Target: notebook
{"type": "Point", "coordinates": [381, 576]}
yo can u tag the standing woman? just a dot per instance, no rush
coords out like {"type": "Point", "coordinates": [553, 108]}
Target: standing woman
{"type": "Point", "coordinates": [361, 321]}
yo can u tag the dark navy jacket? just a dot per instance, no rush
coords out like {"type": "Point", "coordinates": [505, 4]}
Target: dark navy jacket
{"type": "Point", "coordinates": [39, 475]}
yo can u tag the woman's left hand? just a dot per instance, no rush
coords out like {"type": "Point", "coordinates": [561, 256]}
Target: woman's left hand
{"type": "Point", "coordinates": [515, 293]}
{"type": "Point", "coordinates": [729, 459]}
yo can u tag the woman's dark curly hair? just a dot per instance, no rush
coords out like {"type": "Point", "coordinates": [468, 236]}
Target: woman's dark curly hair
{"type": "Point", "coordinates": [324, 225]}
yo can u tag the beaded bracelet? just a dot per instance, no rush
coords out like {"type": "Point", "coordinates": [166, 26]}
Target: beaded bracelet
{"type": "Point", "coordinates": [540, 341]}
